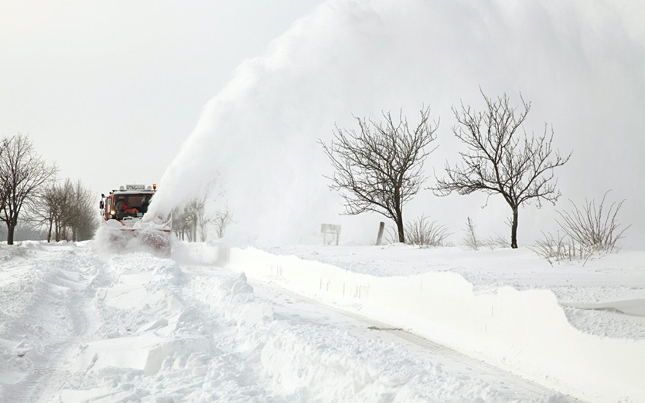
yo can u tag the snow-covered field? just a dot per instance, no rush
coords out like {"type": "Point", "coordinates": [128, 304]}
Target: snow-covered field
{"type": "Point", "coordinates": [318, 324]}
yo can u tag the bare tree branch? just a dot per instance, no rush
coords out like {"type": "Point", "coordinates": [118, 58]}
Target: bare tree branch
{"type": "Point", "coordinates": [23, 175]}
{"type": "Point", "coordinates": [502, 159]}
{"type": "Point", "coordinates": [380, 167]}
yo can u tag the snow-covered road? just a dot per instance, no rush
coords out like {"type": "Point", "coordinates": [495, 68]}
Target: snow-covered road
{"type": "Point", "coordinates": [78, 326]}
{"type": "Point", "coordinates": [44, 296]}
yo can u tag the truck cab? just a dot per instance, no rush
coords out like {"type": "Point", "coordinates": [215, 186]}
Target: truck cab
{"type": "Point", "coordinates": [127, 203]}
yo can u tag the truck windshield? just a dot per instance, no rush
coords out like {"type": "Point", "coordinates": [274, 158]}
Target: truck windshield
{"type": "Point", "coordinates": [132, 205]}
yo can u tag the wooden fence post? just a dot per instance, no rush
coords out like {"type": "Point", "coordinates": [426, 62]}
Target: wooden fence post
{"type": "Point", "coordinates": [379, 238]}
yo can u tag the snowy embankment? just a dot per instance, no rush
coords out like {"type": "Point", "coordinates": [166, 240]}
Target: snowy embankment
{"type": "Point", "coordinates": [82, 326]}
{"type": "Point", "coordinates": [525, 332]}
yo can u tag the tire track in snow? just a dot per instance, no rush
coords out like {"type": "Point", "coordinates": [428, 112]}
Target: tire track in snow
{"type": "Point", "coordinates": [50, 319]}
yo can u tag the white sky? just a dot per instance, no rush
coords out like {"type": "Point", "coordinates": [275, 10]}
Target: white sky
{"type": "Point", "coordinates": [111, 91]}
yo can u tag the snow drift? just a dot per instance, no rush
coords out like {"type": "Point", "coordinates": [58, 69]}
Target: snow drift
{"type": "Point", "coordinates": [525, 332]}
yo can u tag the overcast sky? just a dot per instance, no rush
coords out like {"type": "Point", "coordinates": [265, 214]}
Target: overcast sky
{"type": "Point", "coordinates": [179, 93]}
{"type": "Point", "coordinates": [110, 90]}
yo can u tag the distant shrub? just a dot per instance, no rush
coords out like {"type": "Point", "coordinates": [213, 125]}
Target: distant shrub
{"type": "Point", "coordinates": [473, 242]}
{"type": "Point", "coordinates": [424, 233]}
{"type": "Point", "coordinates": [587, 231]}
{"type": "Point", "coordinates": [593, 228]}
{"type": "Point", "coordinates": [558, 248]}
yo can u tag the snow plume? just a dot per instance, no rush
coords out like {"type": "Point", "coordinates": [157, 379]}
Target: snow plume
{"type": "Point", "coordinates": [580, 63]}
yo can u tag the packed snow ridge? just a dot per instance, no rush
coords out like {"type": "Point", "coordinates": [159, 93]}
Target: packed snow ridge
{"type": "Point", "coordinates": [317, 324]}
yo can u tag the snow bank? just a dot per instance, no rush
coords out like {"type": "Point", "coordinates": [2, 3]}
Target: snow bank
{"type": "Point", "coordinates": [80, 326]}
{"type": "Point", "coordinates": [525, 332]}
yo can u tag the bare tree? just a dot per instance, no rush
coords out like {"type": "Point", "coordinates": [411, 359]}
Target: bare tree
{"type": "Point", "coordinates": [63, 209]}
{"type": "Point", "coordinates": [502, 159]}
{"type": "Point", "coordinates": [183, 223]}
{"type": "Point", "coordinates": [43, 211]}
{"type": "Point", "coordinates": [23, 176]}
{"type": "Point", "coordinates": [221, 220]}
{"type": "Point", "coordinates": [379, 168]}
{"type": "Point", "coordinates": [190, 217]}
{"type": "Point", "coordinates": [85, 220]}
{"type": "Point", "coordinates": [58, 199]}
{"type": "Point", "coordinates": [67, 211]}
{"type": "Point", "coordinates": [202, 224]}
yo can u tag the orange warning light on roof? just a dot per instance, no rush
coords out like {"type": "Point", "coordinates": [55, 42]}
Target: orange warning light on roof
{"type": "Point", "coordinates": [154, 186]}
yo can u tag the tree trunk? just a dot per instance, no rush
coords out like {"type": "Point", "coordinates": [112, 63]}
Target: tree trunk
{"type": "Point", "coordinates": [399, 228]}
{"type": "Point", "coordinates": [514, 227]}
{"type": "Point", "coordinates": [10, 231]}
{"type": "Point", "coordinates": [49, 233]}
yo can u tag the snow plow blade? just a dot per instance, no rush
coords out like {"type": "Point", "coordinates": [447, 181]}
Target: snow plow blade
{"type": "Point", "coordinates": [115, 239]}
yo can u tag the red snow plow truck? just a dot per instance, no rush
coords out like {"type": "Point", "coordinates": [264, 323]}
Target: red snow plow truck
{"type": "Point", "coordinates": [123, 210]}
